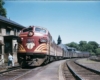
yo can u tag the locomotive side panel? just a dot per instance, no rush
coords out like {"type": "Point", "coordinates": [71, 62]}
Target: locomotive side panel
{"type": "Point", "coordinates": [59, 52]}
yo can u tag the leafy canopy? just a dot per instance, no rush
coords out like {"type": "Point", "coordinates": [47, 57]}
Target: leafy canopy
{"type": "Point", "coordinates": [90, 46]}
{"type": "Point", "coordinates": [2, 9]}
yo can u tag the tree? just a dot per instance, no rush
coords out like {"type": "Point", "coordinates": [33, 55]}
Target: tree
{"type": "Point", "coordinates": [73, 44]}
{"type": "Point", "coordinates": [83, 45]}
{"type": "Point", "coordinates": [94, 45]}
{"type": "Point", "coordinates": [98, 51]}
{"type": "Point", "coordinates": [2, 9]}
{"type": "Point", "coordinates": [59, 40]}
{"type": "Point", "coordinates": [91, 46]}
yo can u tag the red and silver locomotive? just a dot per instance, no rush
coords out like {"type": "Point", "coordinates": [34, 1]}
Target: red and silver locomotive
{"type": "Point", "coordinates": [36, 46]}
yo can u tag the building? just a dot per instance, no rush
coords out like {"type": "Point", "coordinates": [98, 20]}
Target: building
{"type": "Point", "coordinates": [9, 31]}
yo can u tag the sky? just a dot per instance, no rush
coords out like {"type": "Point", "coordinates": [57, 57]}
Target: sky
{"type": "Point", "coordinates": [74, 21]}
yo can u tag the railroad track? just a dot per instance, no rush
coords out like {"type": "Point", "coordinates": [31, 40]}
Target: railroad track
{"type": "Point", "coordinates": [10, 69]}
{"type": "Point", "coordinates": [18, 72]}
{"type": "Point", "coordinates": [13, 73]}
{"type": "Point", "coordinates": [67, 73]}
{"type": "Point", "coordinates": [80, 72]}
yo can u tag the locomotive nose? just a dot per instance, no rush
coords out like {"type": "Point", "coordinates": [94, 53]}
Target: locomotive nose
{"type": "Point", "coordinates": [30, 34]}
{"type": "Point", "coordinates": [30, 43]}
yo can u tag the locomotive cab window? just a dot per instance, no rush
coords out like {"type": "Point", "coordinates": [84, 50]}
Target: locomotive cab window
{"type": "Point", "coordinates": [28, 29]}
{"type": "Point", "coordinates": [40, 30]}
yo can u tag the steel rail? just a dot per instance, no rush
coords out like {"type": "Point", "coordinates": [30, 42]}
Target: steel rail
{"type": "Point", "coordinates": [88, 68]}
{"type": "Point", "coordinates": [77, 76]}
{"type": "Point", "coordinates": [74, 73]}
{"type": "Point", "coordinates": [10, 69]}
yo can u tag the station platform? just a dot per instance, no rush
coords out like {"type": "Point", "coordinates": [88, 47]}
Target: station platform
{"type": "Point", "coordinates": [5, 66]}
{"type": "Point", "coordinates": [89, 63]}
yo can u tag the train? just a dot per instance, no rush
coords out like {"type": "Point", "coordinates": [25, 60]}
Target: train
{"type": "Point", "coordinates": [36, 47]}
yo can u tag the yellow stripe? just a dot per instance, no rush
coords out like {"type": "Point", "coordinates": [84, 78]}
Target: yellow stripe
{"type": "Point", "coordinates": [40, 46]}
{"type": "Point", "coordinates": [21, 48]}
{"type": "Point", "coordinates": [21, 51]}
{"type": "Point", "coordinates": [40, 51]}
{"type": "Point", "coordinates": [44, 49]}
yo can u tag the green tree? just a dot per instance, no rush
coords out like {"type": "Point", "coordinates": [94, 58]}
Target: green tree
{"type": "Point", "coordinates": [83, 45]}
{"type": "Point", "coordinates": [2, 9]}
{"type": "Point", "coordinates": [59, 40]}
{"type": "Point", "coordinates": [91, 46]}
{"type": "Point", "coordinates": [73, 44]}
{"type": "Point", "coordinates": [94, 45]}
{"type": "Point", "coordinates": [98, 51]}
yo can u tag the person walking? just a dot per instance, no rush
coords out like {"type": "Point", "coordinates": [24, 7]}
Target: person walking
{"type": "Point", "coordinates": [10, 60]}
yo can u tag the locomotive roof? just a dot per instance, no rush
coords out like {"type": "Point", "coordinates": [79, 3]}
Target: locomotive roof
{"type": "Point", "coordinates": [41, 27]}
{"type": "Point", "coordinates": [36, 26]}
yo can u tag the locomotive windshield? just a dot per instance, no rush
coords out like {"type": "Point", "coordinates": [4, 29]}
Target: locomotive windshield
{"type": "Point", "coordinates": [40, 30]}
{"type": "Point", "coordinates": [28, 29]}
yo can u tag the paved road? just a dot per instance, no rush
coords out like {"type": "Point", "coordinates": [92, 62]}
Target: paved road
{"type": "Point", "coordinates": [51, 71]}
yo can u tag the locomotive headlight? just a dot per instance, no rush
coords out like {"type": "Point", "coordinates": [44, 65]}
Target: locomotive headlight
{"type": "Point", "coordinates": [30, 33]}
{"type": "Point", "coordinates": [22, 39]}
{"type": "Point", "coordinates": [43, 40]}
